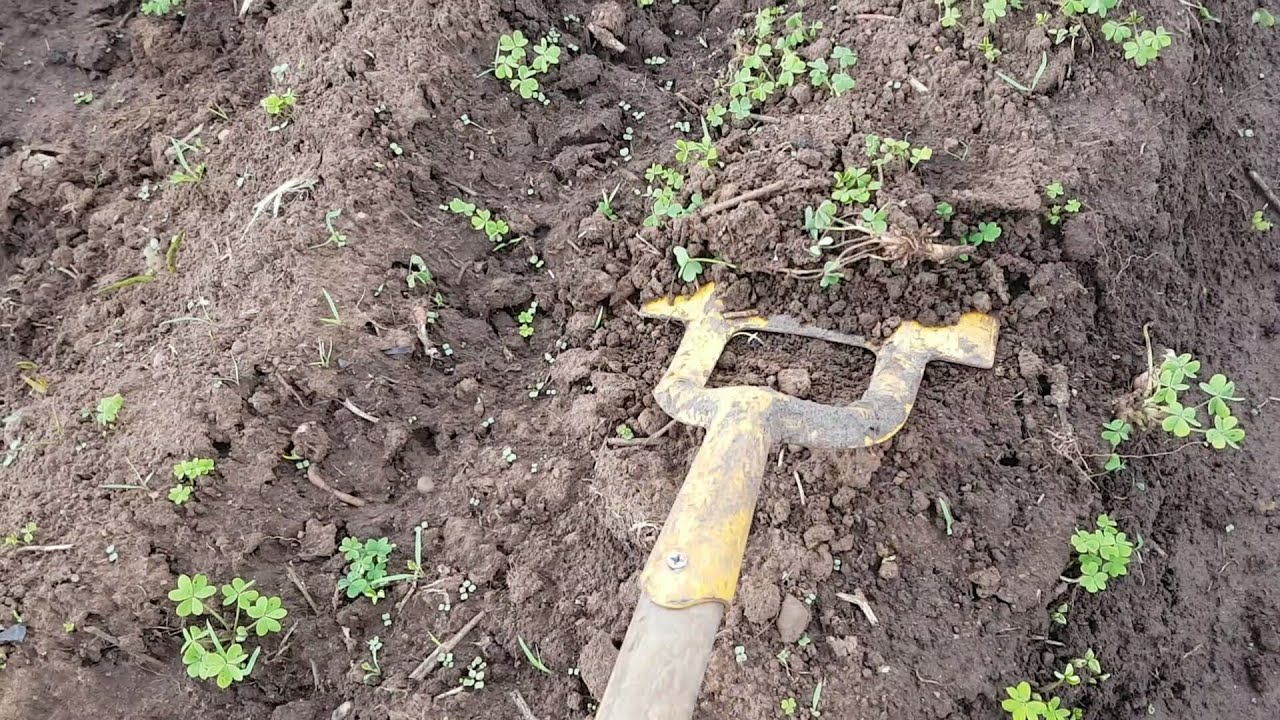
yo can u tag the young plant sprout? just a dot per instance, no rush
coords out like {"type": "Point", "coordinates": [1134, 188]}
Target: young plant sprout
{"type": "Point", "coordinates": [217, 653]}
{"type": "Point", "coordinates": [691, 267]}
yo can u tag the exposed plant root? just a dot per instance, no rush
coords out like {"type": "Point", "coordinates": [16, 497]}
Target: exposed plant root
{"type": "Point", "coordinates": [891, 247]}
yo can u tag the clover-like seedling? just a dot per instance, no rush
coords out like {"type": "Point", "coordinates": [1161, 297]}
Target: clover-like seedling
{"type": "Point", "coordinates": [191, 593]}
{"type": "Point", "coordinates": [1115, 432]}
{"type": "Point", "coordinates": [180, 494]}
{"type": "Point", "coordinates": [474, 679]}
{"type": "Point", "coordinates": [989, 49]}
{"type": "Point", "coordinates": [280, 105]}
{"type": "Point", "coordinates": [949, 14]}
{"type": "Point", "coordinates": [511, 63]}
{"type": "Point", "coordinates": [484, 221]}
{"type": "Point", "coordinates": [466, 589]}
{"type": "Point", "coordinates": [159, 8]}
{"type": "Point", "coordinates": [945, 211]}
{"type": "Point", "coordinates": [832, 274]}
{"type": "Point", "coordinates": [920, 154]}
{"type": "Point", "coordinates": [788, 705]}
{"type": "Point", "coordinates": [82, 98]}
{"type": "Point", "coordinates": [703, 151]}
{"type": "Point", "coordinates": [691, 267]}
{"type": "Point", "coordinates": [1022, 703]}
{"type": "Point", "coordinates": [366, 567]}
{"type": "Point", "coordinates": [993, 10]}
{"type": "Point", "coordinates": [1146, 46]}
{"type": "Point", "coordinates": [193, 469]}
{"type": "Point", "coordinates": [1103, 555]}
{"type": "Point", "coordinates": [1182, 420]}
{"type": "Point", "coordinates": [525, 318]}
{"type": "Point", "coordinates": [987, 232]}
{"type": "Point", "coordinates": [740, 654]}
{"type": "Point", "coordinates": [108, 410]}
{"type": "Point", "coordinates": [418, 273]}
{"type": "Point", "coordinates": [1262, 17]}
{"type": "Point", "coordinates": [336, 237]}
{"type": "Point", "coordinates": [1260, 221]}
{"type": "Point", "coordinates": [875, 219]}
{"type": "Point", "coordinates": [854, 186]}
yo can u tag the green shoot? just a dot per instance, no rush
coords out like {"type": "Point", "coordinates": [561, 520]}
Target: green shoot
{"type": "Point", "coordinates": [788, 706]}
{"type": "Point", "coordinates": [920, 154]}
{"type": "Point", "coordinates": [944, 509]}
{"type": "Point", "coordinates": [816, 701]}
{"type": "Point", "coordinates": [989, 49]}
{"type": "Point", "coordinates": [687, 150]}
{"type": "Point", "coordinates": [1114, 433]}
{"type": "Point", "coordinates": [366, 567]}
{"type": "Point", "coordinates": [987, 232]}
{"type": "Point", "coordinates": [854, 186]}
{"type": "Point", "coordinates": [180, 494]}
{"type": "Point", "coordinates": [1262, 17]}
{"type": "Point", "coordinates": [474, 679]}
{"type": "Point", "coordinates": [740, 654]}
{"type": "Point", "coordinates": [664, 184]}
{"type": "Point", "coordinates": [1182, 420]}
{"type": "Point", "coordinates": [1103, 555]}
{"type": "Point", "coordinates": [1022, 703]}
{"type": "Point", "coordinates": [605, 206]}
{"type": "Point", "coordinates": [1059, 614]}
{"type": "Point", "coordinates": [532, 657]}
{"type": "Point", "coordinates": [483, 221]}
{"type": "Point", "coordinates": [218, 654]}
{"type": "Point", "coordinates": [160, 7]}
{"type": "Point", "coordinates": [372, 670]}
{"type": "Point", "coordinates": [334, 318]}
{"type": "Point", "coordinates": [1260, 222]}
{"type": "Point", "coordinates": [193, 469]}
{"type": "Point", "coordinates": [187, 174]}
{"type": "Point", "coordinates": [948, 13]}
{"type": "Point", "coordinates": [1146, 46]}
{"type": "Point", "coordinates": [945, 211]}
{"type": "Point", "coordinates": [24, 536]}
{"type": "Point", "coordinates": [108, 410]}
{"type": "Point", "coordinates": [418, 273]}
{"type": "Point", "coordinates": [336, 238]}
{"type": "Point", "coordinates": [691, 267]}
{"type": "Point", "coordinates": [525, 318]}
{"type": "Point", "coordinates": [993, 10]}
{"type": "Point", "coordinates": [280, 105]}
{"type": "Point", "coordinates": [509, 63]}
{"type": "Point", "coordinates": [82, 98]}
{"type": "Point", "coordinates": [625, 432]}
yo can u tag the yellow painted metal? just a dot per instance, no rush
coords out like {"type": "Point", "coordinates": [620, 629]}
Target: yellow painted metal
{"type": "Point", "coordinates": [698, 555]}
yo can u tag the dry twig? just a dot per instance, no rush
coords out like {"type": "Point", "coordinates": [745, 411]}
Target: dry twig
{"type": "Point", "coordinates": [427, 664]}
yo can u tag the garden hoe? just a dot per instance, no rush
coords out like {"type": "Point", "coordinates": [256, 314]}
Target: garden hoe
{"type": "Point", "coordinates": [692, 573]}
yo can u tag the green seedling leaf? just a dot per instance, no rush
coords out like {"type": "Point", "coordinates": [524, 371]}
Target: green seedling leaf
{"type": "Point", "coordinates": [1262, 17]}
{"type": "Point", "coordinates": [180, 494]}
{"type": "Point", "coordinates": [239, 593]}
{"type": "Point", "coordinates": [1225, 433]}
{"type": "Point", "coordinates": [108, 410]}
{"type": "Point", "coordinates": [1020, 703]}
{"type": "Point", "coordinates": [157, 8]}
{"type": "Point", "coordinates": [532, 657]}
{"type": "Point", "coordinates": [267, 612]}
{"type": "Point", "coordinates": [1116, 432]}
{"type": "Point", "coordinates": [1179, 420]}
{"type": "Point", "coordinates": [190, 594]}
{"type": "Point", "coordinates": [945, 211]}
{"type": "Point", "coordinates": [1053, 190]}
{"type": "Point", "coordinates": [193, 469]}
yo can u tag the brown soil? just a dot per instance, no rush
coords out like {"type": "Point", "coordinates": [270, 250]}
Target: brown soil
{"type": "Point", "coordinates": [220, 358]}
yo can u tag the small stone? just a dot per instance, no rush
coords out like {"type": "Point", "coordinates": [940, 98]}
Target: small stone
{"type": "Point", "coordinates": [793, 619]}
{"type": "Point", "coordinates": [426, 486]}
{"type": "Point", "coordinates": [889, 569]}
{"type": "Point", "coordinates": [981, 302]}
{"type": "Point", "coordinates": [919, 501]}
{"type": "Point", "coordinates": [794, 382]}
{"type": "Point", "coordinates": [238, 347]}
{"type": "Point", "coordinates": [987, 581]}
{"type": "Point", "coordinates": [809, 158]}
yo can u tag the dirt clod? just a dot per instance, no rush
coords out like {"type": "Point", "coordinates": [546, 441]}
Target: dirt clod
{"type": "Point", "coordinates": [761, 600]}
{"type": "Point", "coordinates": [793, 619]}
{"type": "Point", "coordinates": [595, 662]}
{"type": "Point", "coordinates": [986, 581]}
{"type": "Point", "coordinates": [795, 382]}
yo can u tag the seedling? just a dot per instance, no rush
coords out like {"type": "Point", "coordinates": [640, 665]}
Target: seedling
{"type": "Point", "coordinates": [1059, 614]}
{"type": "Point", "coordinates": [740, 654]}
{"type": "Point", "coordinates": [193, 469]}
{"type": "Point", "coordinates": [1182, 420]}
{"type": "Point", "coordinates": [336, 238]}
{"type": "Point", "coordinates": [854, 186]}
{"type": "Point", "coordinates": [664, 184]}
{"type": "Point", "coordinates": [474, 679]}
{"type": "Point", "coordinates": [1103, 555]}
{"type": "Point", "coordinates": [23, 536]}
{"type": "Point", "coordinates": [948, 13]}
{"type": "Point", "coordinates": [372, 670]}
{"type": "Point", "coordinates": [1078, 671]}
{"type": "Point", "coordinates": [465, 590]}
{"type": "Point", "coordinates": [525, 318]}
{"type": "Point", "coordinates": [509, 456]}
{"type": "Point", "coordinates": [989, 49]}
{"type": "Point", "coordinates": [82, 98]}
{"type": "Point", "coordinates": [920, 154]}
{"type": "Point", "coordinates": [1260, 221]}
{"type": "Point", "coordinates": [987, 232]}
{"type": "Point", "coordinates": [1023, 703]}
{"type": "Point", "coordinates": [1070, 206]}
{"type": "Point", "coordinates": [180, 494]}
{"type": "Point", "coordinates": [509, 63]}
{"type": "Point", "coordinates": [1115, 432]}
{"type": "Point", "coordinates": [159, 8]}
{"type": "Point", "coordinates": [186, 174]}
{"type": "Point", "coordinates": [533, 657]}
{"type": "Point", "coordinates": [112, 555]}
{"type": "Point", "coordinates": [788, 706]}
{"type": "Point", "coordinates": [784, 657]}
{"type": "Point", "coordinates": [298, 461]}
{"type": "Point", "coordinates": [218, 654]}
{"type": "Point", "coordinates": [418, 273]}
{"type": "Point", "coordinates": [691, 267]}
{"type": "Point", "coordinates": [625, 432]}
{"type": "Point", "coordinates": [108, 410]}
{"type": "Point", "coordinates": [816, 701]}
{"type": "Point", "coordinates": [1262, 17]}
{"type": "Point", "coordinates": [1120, 31]}
{"type": "Point", "coordinates": [945, 211]}
{"type": "Point", "coordinates": [944, 509]}
{"type": "Point", "coordinates": [993, 10]}
{"type": "Point", "coordinates": [1146, 46]}
{"type": "Point", "coordinates": [687, 150]}
{"type": "Point", "coordinates": [605, 206]}
{"type": "Point", "coordinates": [281, 105]}
{"type": "Point", "coordinates": [395, 149]}
{"type": "Point", "coordinates": [483, 221]}
{"type": "Point", "coordinates": [366, 567]}
{"type": "Point", "coordinates": [334, 318]}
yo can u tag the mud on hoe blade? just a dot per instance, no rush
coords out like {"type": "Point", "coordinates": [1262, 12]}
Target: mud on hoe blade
{"type": "Point", "coordinates": [692, 573]}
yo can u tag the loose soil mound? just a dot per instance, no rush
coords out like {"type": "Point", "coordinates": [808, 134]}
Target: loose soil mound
{"type": "Point", "coordinates": [224, 354]}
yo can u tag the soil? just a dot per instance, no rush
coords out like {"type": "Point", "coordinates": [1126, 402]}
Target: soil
{"type": "Point", "coordinates": [226, 357]}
